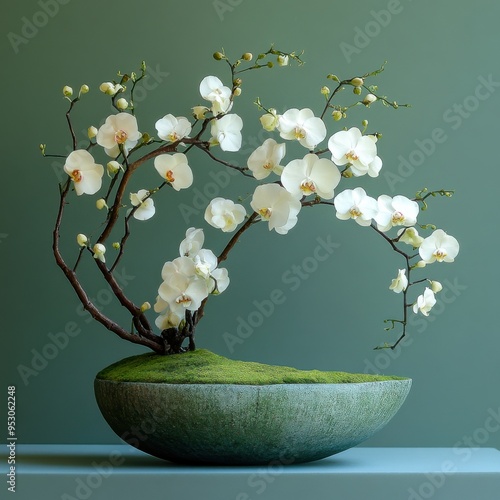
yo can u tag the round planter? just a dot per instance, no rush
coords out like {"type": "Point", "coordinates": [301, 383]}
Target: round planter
{"type": "Point", "coordinates": [247, 424]}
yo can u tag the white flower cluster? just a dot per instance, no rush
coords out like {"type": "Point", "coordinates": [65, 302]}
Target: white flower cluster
{"type": "Point", "coordinates": [188, 280]}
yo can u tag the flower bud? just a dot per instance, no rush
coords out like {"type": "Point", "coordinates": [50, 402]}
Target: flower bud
{"type": "Point", "coordinates": [237, 91]}
{"type": "Point", "coordinates": [218, 56]}
{"type": "Point", "coordinates": [99, 251]}
{"type": "Point", "coordinates": [364, 123]}
{"type": "Point", "coordinates": [101, 203]}
{"type": "Point", "coordinates": [84, 89]}
{"type": "Point", "coordinates": [116, 245]}
{"type": "Point", "coordinates": [369, 99]}
{"type": "Point", "coordinates": [237, 82]}
{"type": "Point", "coordinates": [357, 82]}
{"type": "Point", "coordinates": [247, 56]}
{"type": "Point", "coordinates": [335, 78]}
{"type": "Point", "coordinates": [199, 112]}
{"type": "Point", "coordinates": [145, 306]}
{"type": "Point", "coordinates": [282, 60]}
{"type": "Point", "coordinates": [420, 264]}
{"type": "Point", "coordinates": [357, 90]}
{"type": "Point", "coordinates": [270, 120]}
{"type": "Point", "coordinates": [67, 91]}
{"type": "Point", "coordinates": [92, 132]}
{"type": "Point", "coordinates": [122, 103]}
{"type": "Point", "coordinates": [82, 240]}
{"type": "Point", "coordinates": [107, 88]}
{"type": "Point", "coordinates": [113, 167]}
{"type": "Point", "coordinates": [436, 286]}
{"type": "Point", "coordinates": [118, 88]}
{"type": "Point", "coordinates": [270, 64]}
{"type": "Point", "coordinates": [325, 90]}
{"type": "Point", "coordinates": [337, 115]}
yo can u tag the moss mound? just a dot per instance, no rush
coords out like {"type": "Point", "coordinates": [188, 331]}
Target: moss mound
{"type": "Point", "coordinates": [204, 367]}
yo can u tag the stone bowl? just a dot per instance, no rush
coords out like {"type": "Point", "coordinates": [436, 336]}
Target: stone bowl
{"type": "Point", "coordinates": [231, 424]}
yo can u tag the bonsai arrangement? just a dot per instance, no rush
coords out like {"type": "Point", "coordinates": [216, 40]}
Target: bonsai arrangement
{"type": "Point", "coordinates": [284, 186]}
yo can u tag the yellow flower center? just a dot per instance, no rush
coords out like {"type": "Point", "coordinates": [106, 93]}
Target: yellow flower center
{"type": "Point", "coordinates": [397, 218]}
{"type": "Point", "coordinates": [440, 254]}
{"type": "Point", "coordinates": [265, 213]}
{"type": "Point", "coordinates": [172, 137]}
{"type": "Point", "coordinates": [355, 212]}
{"type": "Point", "coordinates": [299, 133]}
{"type": "Point", "coordinates": [268, 165]}
{"type": "Point", "coordinates": [121, 136]}
{"type": "Point", "coordinates": [352, 156]}
{"type": "Point", "coordinates": [76, 175]}
{"type": "Point", "coordinates": [170, 176]}
{"type": "Point", "coordinates": [307, 187]}
{"type": "Point", "coordinates": [183, 299]}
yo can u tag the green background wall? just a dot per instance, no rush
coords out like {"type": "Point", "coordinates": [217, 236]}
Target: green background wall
{"type": "Point", "coordinates": [439, 53]}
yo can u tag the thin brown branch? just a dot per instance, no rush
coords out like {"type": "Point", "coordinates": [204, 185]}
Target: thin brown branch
{"type": "Point", "coordinates": [153, 342]}
{"type": "Point", "coordinates": [206, 149]}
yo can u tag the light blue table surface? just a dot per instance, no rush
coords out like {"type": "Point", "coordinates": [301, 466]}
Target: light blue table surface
{"type": "Point", "coordinates": [109, 472]}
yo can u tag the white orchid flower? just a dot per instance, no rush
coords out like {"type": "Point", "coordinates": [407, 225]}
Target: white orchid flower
{"type": "Point", "coordinates": [175, 170]}
{"type": "Point", "coordinates": [84, 172]}
{"type": "Point", "coordinates": [193, 242]}
{"type": "Point", "coordinates": [400, 283]}
{"type": "Point", "coordinates": [359, 151]}
{"type": "Point", "coordinates": [145, 205]}
{"type": "Point", "coordinates": [397, 211]}
{"type": "Point", "coordinates": [277, 206]}
{"type": "Point", "coordinates": [173, 129]}
{"type": "Point", "coordinates": [440, 247]}
{"type": "Point", "coordinates": [120, 129]}
{"type": "Point", "coordinates": [183, 293]}
{"type": "Point", "coordinates": [220, 280]}
{"type": "Point", "coordinates": [266, 159]}
{"type": "Point", "coordinates": [213, 90]}
{"type": "Point", "coordinates": [224, 214]}
{"type": "Point", "coordinates": [410, 236]}
{"type": "Point", "coordinates": [425, 302]}
{"type": "Point", "coordinates": [356, 204]}
{"type": "Point", "coordinates": [303, 126]}
{"type": "Point", "coordinates": [205, 262]}
{"type": "Point", "coordinates": [226, 132]}
{"type": "Point", "coordinates": [311, 175]}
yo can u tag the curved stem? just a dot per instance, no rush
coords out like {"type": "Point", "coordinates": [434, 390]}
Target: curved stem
{"type": "Point", "coordinates": [153, 342]}
{"type": "Point", "coordinates": [222, 257]}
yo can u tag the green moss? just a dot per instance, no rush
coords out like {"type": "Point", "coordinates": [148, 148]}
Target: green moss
{"type": "Point", "coordinates": [204, 367]}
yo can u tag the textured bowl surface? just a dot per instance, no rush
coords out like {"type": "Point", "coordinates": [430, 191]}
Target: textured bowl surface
{"type": "Point", "coordinates": [246, 424]}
